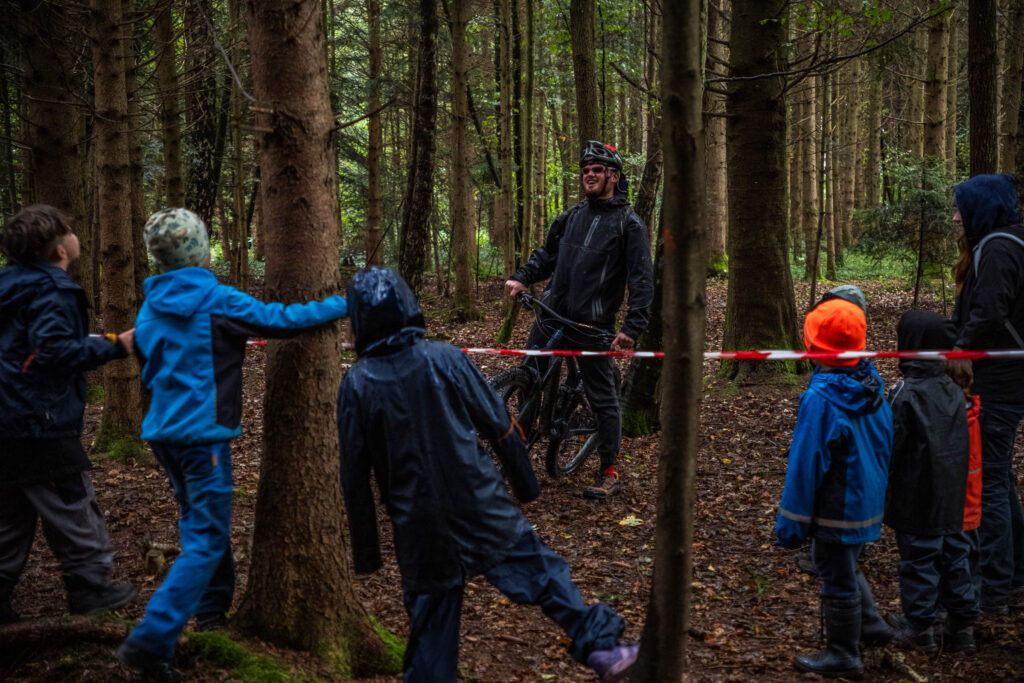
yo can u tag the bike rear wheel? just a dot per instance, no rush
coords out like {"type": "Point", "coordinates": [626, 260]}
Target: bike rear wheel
{"type": "Point", "coordinates": [514, 386]}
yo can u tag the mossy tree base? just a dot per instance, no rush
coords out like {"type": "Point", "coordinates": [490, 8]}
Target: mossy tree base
{"type": "Point", "coordinates": [118, 445]}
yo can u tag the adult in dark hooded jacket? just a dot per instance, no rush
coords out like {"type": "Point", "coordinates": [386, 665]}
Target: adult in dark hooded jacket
{"type": "Point", "coordinates": [989, 314]}
{"type": "Point", "coordinates": [592, 252]}
{"type": "Point", "coordinates": [411, 411]}
{"type": "Point", "coordinates": [927, 486]}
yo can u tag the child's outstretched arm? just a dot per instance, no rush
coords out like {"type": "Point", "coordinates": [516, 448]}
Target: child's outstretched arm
{"type": "Point", "coordinates": [809, 460]}
{"type": "Point", "coordinates": [242, 315]}
{"type": "Point", "coordinates": [57, 346]}
{"type": "Point", "coordinates": [355, 482]}
{"type": "Point", "coordinates": [492, 422]}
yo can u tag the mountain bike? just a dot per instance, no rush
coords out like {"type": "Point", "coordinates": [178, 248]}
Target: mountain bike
{"type": "Point", "coordinates": [545, 394]}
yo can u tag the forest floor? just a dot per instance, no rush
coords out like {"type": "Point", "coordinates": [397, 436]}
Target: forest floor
{"type": "Point", "coordinates": [753, 609]}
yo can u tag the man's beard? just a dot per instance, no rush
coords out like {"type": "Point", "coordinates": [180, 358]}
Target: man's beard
{"type": "Point", "coordinates": [600, 190]}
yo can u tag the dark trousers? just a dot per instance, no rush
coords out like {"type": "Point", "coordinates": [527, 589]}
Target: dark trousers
{"type": "Point", "coordinates": [599, 384]}
{"type": "Point", "coordinates": [840, 574]}
{"type": "Point", "coordinates": [936, 570]}
{"type": "Point", "coordinates": [531, 574]}
{"type": "Point", "coordinates": [72, 524]}
{"type": "Point", "coordinates": [202, 578]}
{"type": "Point", "coordinates": [1001, 534]}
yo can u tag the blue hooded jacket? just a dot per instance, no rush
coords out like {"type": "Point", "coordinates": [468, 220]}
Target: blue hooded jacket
{"type": "Point", "coordinates": [991, 301]}
{"type": "Point", "coordinates": [45, 351]}
{"type": "Point", "coordinates": [191, 333]}
{"type": "Point", "coordinates": [410, 411]}
{"type": "Point", "coordinates": [838, 461]}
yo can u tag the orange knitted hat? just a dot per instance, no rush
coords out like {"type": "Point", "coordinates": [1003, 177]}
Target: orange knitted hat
{"type": "Point", "coordinates": [835, 325]}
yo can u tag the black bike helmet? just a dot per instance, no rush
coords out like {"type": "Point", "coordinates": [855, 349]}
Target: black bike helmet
{"type": "Point", "coordinates": [598, 152]}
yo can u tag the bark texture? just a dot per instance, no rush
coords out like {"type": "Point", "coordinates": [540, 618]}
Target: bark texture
{"type": "Point", "coordinates": [300, 589]}
{"type": "Point", "coordinates": [170, 109]}
{"type": "Point", "coordinates": [463, 242]}
{"type": "Point", "coordinates": [581, 30]}
{"type": "Point", "coordinates": [982, 73]}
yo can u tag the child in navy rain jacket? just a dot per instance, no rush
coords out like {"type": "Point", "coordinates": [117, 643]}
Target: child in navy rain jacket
{"type": "Point", "coordinates": [835, 483]}
{"type": "Point", "coordinates": [191, 333]}
{"type": "Point", "coordinates": [45, 351]}
{"type": "Point", "coordinates": [927, 488]}
{"type": "Point", "coordinates": [411, 412]}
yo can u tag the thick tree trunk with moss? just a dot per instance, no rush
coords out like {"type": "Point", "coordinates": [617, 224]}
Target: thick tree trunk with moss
{"type": "Point", "coordinates": [122, 418]}
{"type": "Point", "coordinates": [641, 400]}
{"type": "Point", "coordinates": [300, 590]}
{"type": "Point", "coordinates": [665, 635]}
{"type": "Point", "coordinates": [760, 309]}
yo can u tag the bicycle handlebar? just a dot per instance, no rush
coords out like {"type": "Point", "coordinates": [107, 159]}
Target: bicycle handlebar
{"type": "Point", "coordinates": [534, 304]}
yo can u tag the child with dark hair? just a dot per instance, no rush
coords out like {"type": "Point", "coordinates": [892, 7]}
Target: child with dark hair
{"type": "Point", "coordinates": [411, 412]}
{"type": "Point", "coordinates": [191, 334]}
{"type": "Point", "coordinates": [45, 351]}
{"type": "Point", "coordinates": [835, 483]}
{"type": "Point", "coordinates": [927, 490]}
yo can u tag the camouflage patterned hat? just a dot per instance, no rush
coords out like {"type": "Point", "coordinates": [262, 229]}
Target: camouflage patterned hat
{"type": "Point", "coordinates": [177, 239]}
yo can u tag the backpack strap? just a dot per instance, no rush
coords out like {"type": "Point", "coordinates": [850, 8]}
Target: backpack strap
{"type": "Point", "coordinates": [977, 260]}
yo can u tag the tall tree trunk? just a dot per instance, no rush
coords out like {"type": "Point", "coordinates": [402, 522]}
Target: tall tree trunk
{"type": "Point", "coordinates": [936, 75]}
{"type": "Point", "coordinates": [810, 179]}
{"type": "Point", "coordinates": [760, 310]}
{"type": "Point", "coordinates": [374, 207]}
{"type": "Point", "coordinates": [581, 31]}
{"type": "Point", "coordinates": [7, 112]}
{"type": "Point", "coordinates": [419, 188]}
{"type": "Point", "coordinates": [952, 80]}
{"type": "Point", "coordinates": [505, 144]}
{"type": "Point", "coordinates": [1010, 97]}
{"type": "Point", "coordinates": [201, 109]}
{"type": "Point", "coordinates": [300, 590]}
{"type": "Point", "coordinates": [56, 125]}
{"type": "Point", "coordinates": [716, 202]}
{"type": "Point", "coordinates": [170, 111]}
{"type": "Point", "coordinates": [849, 151]}
{"type": "Point", "coordinates": [982, 74]}
{"type": "Point", "coordinates": [665, 635]}
{"type": "Point", "coordinates": [794, 172]}
{"type": "Point", "coordinates": [238, 235]}
{"type": "Point", "coordinates": [140, 256]}
{"type": "Point", "coordinates": [873, 159]}
{"type": "Point", "coordinates": [121, 415]}
{"type": "Point", "coordinates": [828, 187]}
{"type": "Point", "coordinates": [463, 242]}
{"type": "Point", "coordinates": [647, 192]}
{"type": "Point", "coordinates": [913, 126]}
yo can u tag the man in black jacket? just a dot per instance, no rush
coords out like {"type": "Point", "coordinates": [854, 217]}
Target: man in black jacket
{"type": "Point", "coordinates": [989, 314]}
{"type": "Point", "coordinates": [592, 253]}
{"type": "Point", "coordinates": [411, 411]}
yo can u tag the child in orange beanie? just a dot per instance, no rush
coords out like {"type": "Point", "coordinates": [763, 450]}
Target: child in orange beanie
{"type": "Point", "coordinates": [836, 481]}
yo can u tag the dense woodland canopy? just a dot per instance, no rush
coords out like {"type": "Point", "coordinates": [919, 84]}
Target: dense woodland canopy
{"type": "Point", "coordinates": [441, 137]}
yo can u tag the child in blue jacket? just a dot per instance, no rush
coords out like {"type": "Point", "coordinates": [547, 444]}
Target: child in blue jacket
{"type": "Point", "coordinates": [836, 481]}
{"type": "Point", "coordinates": [191, 334]}
{"type": "Point", "coordinates": [45, 351]}
{"type": "Point", "coordinates": [411, 411]}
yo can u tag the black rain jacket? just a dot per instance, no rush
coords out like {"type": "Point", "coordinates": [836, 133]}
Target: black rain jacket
{"type": "Point", "coordinates": [931, 443]}
{"type": "Point", "coordinates": [995, 295]}
{"type": "Point", "coordinates": [45, 351]}
{"type": "Point", "coordinates": [591, 253]}
{"type": "Point", "coordinates": [410, 411]}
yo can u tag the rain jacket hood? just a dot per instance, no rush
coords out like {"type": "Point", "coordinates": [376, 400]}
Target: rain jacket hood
{"type": "Point", "coordinates": [383, 310]}
{"type": "Point", "coordinates": [180, 292]}
{"type": "Point", "coordinates": [924, 331]}
{"type": "Point", "coordinates": [838, 461]}
{"type": "Point", "coordinates": [987, 203]}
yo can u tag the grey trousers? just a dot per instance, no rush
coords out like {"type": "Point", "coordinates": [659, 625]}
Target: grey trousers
{"type": "Point", "coordinates": [72, 524]}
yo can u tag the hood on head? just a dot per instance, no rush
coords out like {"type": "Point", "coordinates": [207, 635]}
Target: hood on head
{"type": "Point", "coordinates": [380, 304]}
{"type": "Point", "coordinates": [925, 331]}
{"type": "Point", "coordinates": [986, 203]}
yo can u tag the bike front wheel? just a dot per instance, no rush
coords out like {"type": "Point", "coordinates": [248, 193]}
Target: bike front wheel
{"type": "Point", "coordinates": [515, 387]}
{"type": "Point", "coordinates": [573, 439]}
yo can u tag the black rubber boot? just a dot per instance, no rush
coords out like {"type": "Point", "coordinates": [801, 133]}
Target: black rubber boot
{"type": "Point", "coordinates": [85, 597]}
{"type": "Point", "coordinates": [7, 613]}
{"type": "Point", "coordinates": [959, 637]}
{"type": "Point", "coordinates": [911, 637]}
{"type": "Point", "coordinates": [841, 656]}
{"type": "Point", "coordinates": [873, 629]}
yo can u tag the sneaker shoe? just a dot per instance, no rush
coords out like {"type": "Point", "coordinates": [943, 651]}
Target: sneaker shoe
{"type": "Point", "coordinates": [211, 621]}
{"type": "Point", "coordinates": [90, 599]}
{"type": "Point", "coordinates": [149, 666]}
{"type": "Point", "coordinates": [605, 485]}
{"type": "Point", "coordinates": [612, 664]}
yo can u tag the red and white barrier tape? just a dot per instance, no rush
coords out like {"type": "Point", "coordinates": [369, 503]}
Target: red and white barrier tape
{"type": "Point", "coordinates": [776, 354]}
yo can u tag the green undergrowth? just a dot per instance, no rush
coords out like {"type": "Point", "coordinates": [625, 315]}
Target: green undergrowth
{"type": "Point", "coordinates": [218, 649]}
{"type": "Point", "coordinates": [118, 446]}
